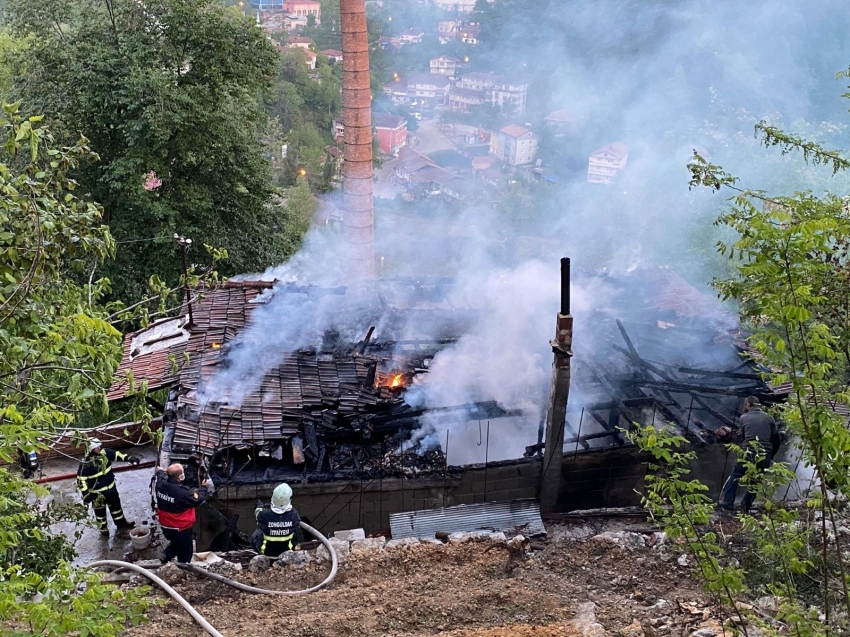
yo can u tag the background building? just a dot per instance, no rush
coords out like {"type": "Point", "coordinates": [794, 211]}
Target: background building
{"type": "Point", "coordinates": [303, 8]}
{"type": "Point", "coordinates": [606, 162]}
{"type": "Point", "coordinates": [267, 5]}
{"type": "Point", "coordinates": [391, 131]}
{"type": "Point", "coordinates": [444, 65]}
{"type": "Point", "coordinates": [514, 145]}
{"type": "Point", "coordinates": [429, 87]}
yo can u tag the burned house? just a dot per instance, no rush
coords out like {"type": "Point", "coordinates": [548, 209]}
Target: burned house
{"type": "Point", "coordinates": [331, 419]}
{"type": "Point", "coordinates": [664, 353]}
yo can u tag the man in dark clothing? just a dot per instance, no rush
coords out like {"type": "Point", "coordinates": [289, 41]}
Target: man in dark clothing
{"type": "Point", "coordinates": [96, 481]}
{"type": "Point", "coordinates": [278, 527]}
{"type": "Point", "coordinates": [175, 507]}
{"type": "Point", "coordinates": [761, 442]}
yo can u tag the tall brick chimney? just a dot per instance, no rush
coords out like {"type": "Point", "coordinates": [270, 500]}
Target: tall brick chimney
{"type": "Point", "coordinates": [358, 212]}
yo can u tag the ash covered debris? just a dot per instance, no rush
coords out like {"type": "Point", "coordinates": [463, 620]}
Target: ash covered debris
{"type": "Point", "coordinates": [664, 353]}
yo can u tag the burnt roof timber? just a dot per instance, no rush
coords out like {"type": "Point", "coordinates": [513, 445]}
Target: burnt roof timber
{"type": "Point", "coordinates": [692, 388]}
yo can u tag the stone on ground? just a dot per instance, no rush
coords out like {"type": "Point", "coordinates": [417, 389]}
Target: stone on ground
{"type": "Point", "coordinates": [350, 535]}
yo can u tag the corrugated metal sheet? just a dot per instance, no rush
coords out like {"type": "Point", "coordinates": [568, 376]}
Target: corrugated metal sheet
{"type": "Point", "coordinates": [520, 515]}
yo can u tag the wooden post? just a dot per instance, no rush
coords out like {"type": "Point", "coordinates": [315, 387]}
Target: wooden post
{"type": "Point", "coordinates": [556, 415]}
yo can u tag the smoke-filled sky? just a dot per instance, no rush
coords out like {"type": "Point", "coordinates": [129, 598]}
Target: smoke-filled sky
{"type": "Point", "coordinates": [663, 78]}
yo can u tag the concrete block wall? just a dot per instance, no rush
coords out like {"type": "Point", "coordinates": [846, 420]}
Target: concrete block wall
{"type": "Point", "coordinates": [595, 479]}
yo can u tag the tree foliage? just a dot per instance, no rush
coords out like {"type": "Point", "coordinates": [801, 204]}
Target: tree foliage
{"type": "Point", "coordinates": [59, 353]}
{"type": "Point", "coordinates": [792, 255]}
{"type": "Point", "coordinates": [167, 92]}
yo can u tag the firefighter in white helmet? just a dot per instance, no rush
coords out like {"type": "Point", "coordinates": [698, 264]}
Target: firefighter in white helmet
{"type": "Point", "coordinates": [96, 482]}
{"type": "Point", "coordinates": [278, 526]}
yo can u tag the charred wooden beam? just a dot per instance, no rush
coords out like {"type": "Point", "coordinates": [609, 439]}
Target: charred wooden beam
{"type": "Point", "coordinates": [740, 390]}
{"type": "Point", "coordinates": [666, 377]}
{"type": "Point", "coordinates": [719, 374]}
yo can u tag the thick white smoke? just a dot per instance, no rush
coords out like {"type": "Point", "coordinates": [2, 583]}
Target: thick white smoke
{"type": "Point", "coordinates": [663, 78]}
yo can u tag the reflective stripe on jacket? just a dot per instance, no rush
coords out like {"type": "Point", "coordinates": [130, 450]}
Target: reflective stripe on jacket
{"type": "Point", "coordinates": [280, 528]}
{"type": "Point", "coordinates": [94, 474]}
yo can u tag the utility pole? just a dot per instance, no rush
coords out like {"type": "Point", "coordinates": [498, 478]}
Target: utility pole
{"type": "Point", "coordinates": [556, 414]}
{"type": "Point", "coordinates": [184, 243]}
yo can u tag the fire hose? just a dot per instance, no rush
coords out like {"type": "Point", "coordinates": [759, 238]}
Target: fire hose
{"type": "Point", "coordinates": [243, 587]}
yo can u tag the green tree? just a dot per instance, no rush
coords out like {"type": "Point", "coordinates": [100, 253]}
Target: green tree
{"type": "Point", "coordinates": [792, 254]}
{"type": "Point", "coordinates": [59, 353]}
{"type": "Point", "coordinates": [167, 92]}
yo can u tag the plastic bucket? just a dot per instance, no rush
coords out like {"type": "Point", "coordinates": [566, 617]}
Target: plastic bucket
{"type": "Point", "coordinates": [140, 538]}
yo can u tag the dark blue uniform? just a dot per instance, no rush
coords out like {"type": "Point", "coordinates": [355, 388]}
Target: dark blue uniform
{"type": "Point", "coordinates": [96, 481]}
{"type": "Point", "coordinates": [276, 532]}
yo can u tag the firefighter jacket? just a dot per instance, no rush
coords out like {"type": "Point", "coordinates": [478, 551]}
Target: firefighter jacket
{"type": "Point", "coordinates": [280, 528]}
{"type": "Point", "coordinates": [176, 503]}
{"type": "Point", "coordinates": [95, 472]}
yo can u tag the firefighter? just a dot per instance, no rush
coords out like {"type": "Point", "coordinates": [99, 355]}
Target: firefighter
{"type": "Point", "coordinates": [97, 484]}
{"type": "Point", "coordinates": [761, 443]}
{"type": "Point", "coordinates": [278, 527]}
{"type": "Point", "coordinates": [175, 507]}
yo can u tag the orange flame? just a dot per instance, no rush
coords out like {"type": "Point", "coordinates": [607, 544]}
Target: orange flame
{"type": "Point", "coordinates": [396, 381]}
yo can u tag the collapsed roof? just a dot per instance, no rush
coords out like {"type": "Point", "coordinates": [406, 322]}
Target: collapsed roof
{"type": "Point", "coordinates": [664, 353]}
{"type": "Point", "coordinates": [314, 404]}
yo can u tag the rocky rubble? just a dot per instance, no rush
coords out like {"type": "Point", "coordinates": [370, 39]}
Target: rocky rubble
{"type": "Point", "coordinates": [597, 579]}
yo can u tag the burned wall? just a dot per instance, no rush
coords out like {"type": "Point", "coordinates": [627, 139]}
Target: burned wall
{"type": "Point", "coordinates": [594, 479]}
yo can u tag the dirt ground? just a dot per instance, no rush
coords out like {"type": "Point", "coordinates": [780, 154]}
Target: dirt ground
{"type": "Point", "coordinates": [460, 590]}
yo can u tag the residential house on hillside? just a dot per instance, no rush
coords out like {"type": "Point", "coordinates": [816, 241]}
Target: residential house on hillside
{"type": "Point", "coordinates": [334, 56]}
{"type": "Point", "coordinates": [299, 42]}
{"type": "Point", "coordinates": [515, 145]}
{"type": "Point", "coordinates": [310, 58]}
{"type": "Point", "coordinates": [461, 99]}
{"type": "Point", "coordinates": [294, 22]}
{"type": "Point", "coordinates": [606, 162]}
{"type": "Point", "coordinates": [444, 65]}
{"type": "Point", "coordinates": [461, 6]}
{"type": "Point", "coordinates": [508, 95]}
{"type": "Point", "coordinates": [447, 30]}
{"type": "Point", "coordinates": [391, 131]}
{"type": "Point", "coordinates": [397, 90]}
{"type": "Point", "coordinates": [468, 33]}
{"type": "Point", "coordinates": [433, 89]}
{"type": "Point", "coordinates": [413, 35]}
{"type": "Point", "coordinates": [559, 122]}
{"type": "Point", "coordinates": [304, 8]}
{"type": "Point", "coordinates": [338, 130]}
{"type": "Point", "coordinates": [418, 174]}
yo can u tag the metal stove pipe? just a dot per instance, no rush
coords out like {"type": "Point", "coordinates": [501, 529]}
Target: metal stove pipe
{"type": "Point", "coordinates": [358, 213]}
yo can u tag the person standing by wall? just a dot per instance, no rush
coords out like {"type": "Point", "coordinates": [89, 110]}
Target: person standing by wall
{"type": "Point", "coordinates": [175, 508]}
{"type": "Point", "coordinates": [761, 442]}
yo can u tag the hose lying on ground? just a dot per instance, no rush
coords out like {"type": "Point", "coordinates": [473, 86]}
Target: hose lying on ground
{"type": "Point", "coordinates": [243, 587]}
{"type": "Point", "coordinates": [263, 591]}
{"type": "Point", "coordinates": [159, 582]}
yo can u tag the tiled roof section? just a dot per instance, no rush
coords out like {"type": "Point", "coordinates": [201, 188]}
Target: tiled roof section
{"type": "Point", "coordinates": [515, 130]}
{"type": "Point", "coordinates": [562, 116]}
{"type": "Point", "coordinates": [158, 369]}
{"type": "Point", "coordinates": [672, 293]}
{"type": "Point", "coordinates": [387, 120]}
{"type": "Point", "coordinates": [617, 149]}
{"type": "Point", "coordinates": [219, 313]}
{"type": "Point", "coordinates": [427, 79]}
{"type": "Point", "coordinates": [328, 393]}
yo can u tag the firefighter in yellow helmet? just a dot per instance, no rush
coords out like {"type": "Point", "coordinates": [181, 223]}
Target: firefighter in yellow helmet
{"type": "Point", "coordinates": [278, 526]}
